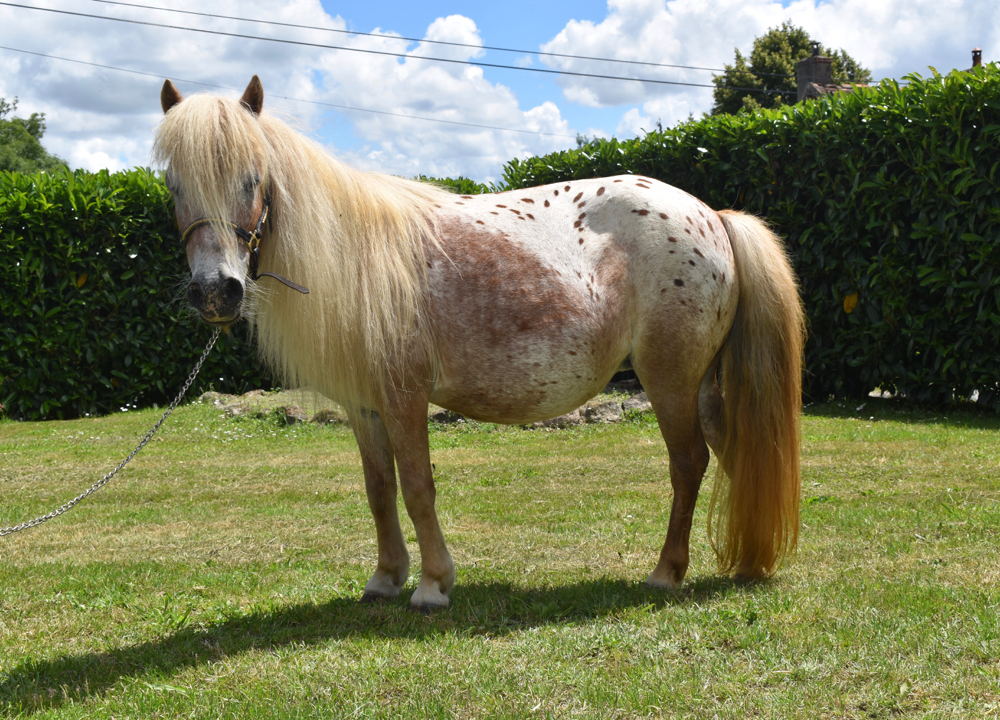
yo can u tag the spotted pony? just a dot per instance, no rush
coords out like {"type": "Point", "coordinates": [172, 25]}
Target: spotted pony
{"type": "Point", "coordinates": [509, 307]}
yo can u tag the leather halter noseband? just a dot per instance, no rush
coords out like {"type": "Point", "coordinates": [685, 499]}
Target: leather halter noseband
{"type": "Point", "coordinates": [252, 240]}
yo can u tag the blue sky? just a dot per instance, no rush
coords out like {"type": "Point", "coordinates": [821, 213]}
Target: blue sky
{"type": "Point", "coordinates": [516, 24]}
{"type": "Point", "coordinates": [103, 118]}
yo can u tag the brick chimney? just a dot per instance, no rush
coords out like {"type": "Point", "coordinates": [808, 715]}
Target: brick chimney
{"type": "Point", "coordinates": [816, 69]}
{"type": "Point", "coordinates": [977, 57]}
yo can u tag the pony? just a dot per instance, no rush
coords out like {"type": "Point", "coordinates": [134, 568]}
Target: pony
{"type": "Point", "coordinates": [510, 307]}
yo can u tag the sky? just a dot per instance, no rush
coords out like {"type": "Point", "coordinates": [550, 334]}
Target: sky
{"type": "Point", "coordinates": [401, 114]}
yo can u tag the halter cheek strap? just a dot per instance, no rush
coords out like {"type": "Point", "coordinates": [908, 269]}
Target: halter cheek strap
{"type": "Point", "coordinates": [252, 240]}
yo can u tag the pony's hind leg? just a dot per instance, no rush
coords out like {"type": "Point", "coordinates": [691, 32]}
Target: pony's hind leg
{"type": "Point", "coordinates": [380, 486]}
{"type": "Point", "coordinates": [677, 416]}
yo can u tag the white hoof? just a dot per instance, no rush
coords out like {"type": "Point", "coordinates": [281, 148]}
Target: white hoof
{"type": "Point", "coordinates": [384, 585]}
{"type": "Point", "coordinates": [662, 582]}
{"type": "Point", "coordinates": [428, 596]}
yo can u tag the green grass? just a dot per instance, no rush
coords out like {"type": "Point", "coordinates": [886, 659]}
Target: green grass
{"type": "Point", "coordinates": [218, 577]}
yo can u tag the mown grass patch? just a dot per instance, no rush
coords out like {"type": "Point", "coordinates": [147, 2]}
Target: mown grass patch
{"type": "Point", "coordinates": [218, 577]}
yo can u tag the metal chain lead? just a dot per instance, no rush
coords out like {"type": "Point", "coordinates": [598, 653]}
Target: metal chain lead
{"type": "Point", "coordinates": [104, 481]}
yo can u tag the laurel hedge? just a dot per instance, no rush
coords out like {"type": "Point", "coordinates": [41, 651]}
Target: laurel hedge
{"type": "Point", "coordinates": [889, 202]}
{"type": "Point", "coordinates": [91, 296]}
{"type": "Point", "coordinates": [888, 198]}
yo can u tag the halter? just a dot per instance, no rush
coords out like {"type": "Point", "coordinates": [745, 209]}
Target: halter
{"type": "Point", "coordinates": [252, 240]}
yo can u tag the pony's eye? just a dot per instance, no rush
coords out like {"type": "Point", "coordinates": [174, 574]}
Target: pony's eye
{"type": "Point", "coordinates": [250, 184]}
{"type": "Point", "coordinates": [172, 185]}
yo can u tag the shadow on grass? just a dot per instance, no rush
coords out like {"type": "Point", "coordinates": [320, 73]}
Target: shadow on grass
{"type": "Point", "coordinates": [476, 609]}
{"type": "Point", "coordinates": [963, 414]}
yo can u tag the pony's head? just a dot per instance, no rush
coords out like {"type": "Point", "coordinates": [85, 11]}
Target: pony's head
{"type": "Point", "coordinates": [217, 163]}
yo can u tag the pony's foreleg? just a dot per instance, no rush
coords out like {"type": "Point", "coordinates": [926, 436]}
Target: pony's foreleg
{"type": "Point", "coordinates": [407, 425]}
{"type": "Point", "coordinates": [380, 486]}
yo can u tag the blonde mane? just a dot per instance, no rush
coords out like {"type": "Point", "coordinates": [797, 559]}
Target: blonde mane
{"type": "Point", "coordinates": [357, 240]}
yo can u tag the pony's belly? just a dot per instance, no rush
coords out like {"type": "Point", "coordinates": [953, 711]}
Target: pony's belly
{"type": "Point", "coordinates": [519, 400]}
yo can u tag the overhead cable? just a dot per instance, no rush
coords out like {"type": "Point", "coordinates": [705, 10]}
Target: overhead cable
{"type": "Point", "coordinates": [284, 97]}
{"type": "Point", "coordinates": [381, 52]}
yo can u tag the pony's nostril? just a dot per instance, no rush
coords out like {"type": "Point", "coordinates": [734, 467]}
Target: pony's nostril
{"type": "Point", "coordinates": [234, 291]}
{"type": "Point", "coordinates": [195, 295]}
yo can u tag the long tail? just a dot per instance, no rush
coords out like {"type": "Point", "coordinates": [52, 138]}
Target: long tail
{"type": "Point", "coordinates": [754, 517]}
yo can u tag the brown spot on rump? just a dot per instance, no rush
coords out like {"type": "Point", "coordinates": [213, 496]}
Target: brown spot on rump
{"type": "Point", "coordinates": [582, 204]}
{"type": "Point", "coordinates": [710, 228]}
{"type": "Point", "coordinates": [581, 241]}
{"type": "Point", "coordinates": [578, 196]}
{"type": "Point", "coordinates": [685, 217]}
{"type": "Point", "coordinates": [516, 212]}
{"type": "Point", "coordinates": [530, 215]}
{"type": "Point", "coordinates": [698, 253]}
{"type": "Point", "coordinates": [582, 216]}
{"type": "Point", "coordinates": [713, 276]}
{"type": "Point", "coordinates": [480, 222]}
{"type": "Point", "coordinates": [578, 223]}
{"type": "Point", "coordinates": [528, 200]}
{"type": "Point", "coordinates": [459, 203]}
{"type": "Point", "coordinates": [600, 191]}
{"type": "Point", "coordinates": [555, 192]}
{"type": "Point", "coordinates": [671, 239]}
{"type": "Point", "coordinates": [679, 283]}
{"type": "Point", "coordinates": [617, 180]}
{"type": "Point", "coordinates": [505, 207]}
{"type": "Point", "coordinates": [644, 187]}
{"type": "Point", "coordinates": [494, 212]}
{"type": "Point", "coordinates": [702, 231]}
{"type": "Point", "coordinates": [546, 203]}
{"type": "Point", "coordinates": [641, 212]}
{"type": "Point", "coordinates": [566, 188]}
{"type": "Point", "coordinates": [663, 216]}
{"type": "Point", "coordinates": [465, 197]}
{"type": "Point", "coordinates": [691, 263]}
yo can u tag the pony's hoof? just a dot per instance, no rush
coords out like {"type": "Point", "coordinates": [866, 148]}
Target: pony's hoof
{"type": "Point", "coordinates": [370, 598]}
{"type": "Point", "coordinates": [662, 582]}
{"type": "Point", "coordinates": [427, 609]}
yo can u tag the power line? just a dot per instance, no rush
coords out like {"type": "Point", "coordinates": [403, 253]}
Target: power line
{"type": "Point", "coordinates": [284, 97]}
{"type": "Point", "coordinates": [419, 40]}
{"type": "Point", "coordinates": [377, 52]}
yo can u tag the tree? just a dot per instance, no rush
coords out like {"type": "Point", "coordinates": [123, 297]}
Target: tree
{"type": "Point", "coordinates": [767, 78]}
{"type": "Point", "coordinates": [20, 142]}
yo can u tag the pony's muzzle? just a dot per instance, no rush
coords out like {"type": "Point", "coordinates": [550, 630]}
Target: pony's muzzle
{"type": "Point", "coordinates": [218, 300]}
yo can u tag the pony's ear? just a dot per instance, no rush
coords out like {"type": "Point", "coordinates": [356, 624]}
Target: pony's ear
{"type": "Point", "coordinates": [169, 96]}
{"type": "Point", "coordinates": [253, 96]}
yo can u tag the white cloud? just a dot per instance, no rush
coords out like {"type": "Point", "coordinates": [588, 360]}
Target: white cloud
{"type": "Point", "coordinates": [891, 37]}
{"type": "Point", "coordinates": [101, 118]}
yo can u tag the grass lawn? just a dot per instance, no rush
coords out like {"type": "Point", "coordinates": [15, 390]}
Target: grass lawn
{"type": "Point", "coordinates": [218, 577]}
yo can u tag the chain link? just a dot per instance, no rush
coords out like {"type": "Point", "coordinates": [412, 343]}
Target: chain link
{"type": "Point", "coordinates": [104, 480]}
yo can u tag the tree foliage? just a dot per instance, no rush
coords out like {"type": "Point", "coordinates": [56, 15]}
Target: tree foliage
{"type": "Point", "coordinates": [766, 79]}
{"type": "Point", "coordinates": [21, 148]}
